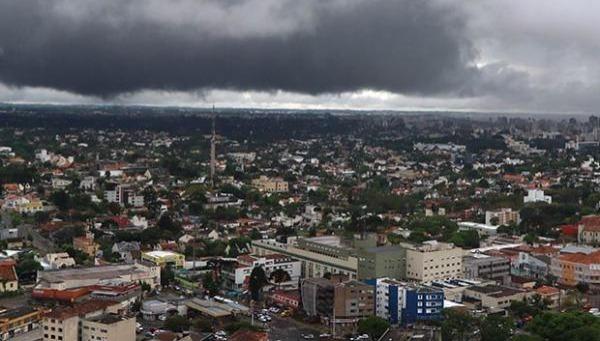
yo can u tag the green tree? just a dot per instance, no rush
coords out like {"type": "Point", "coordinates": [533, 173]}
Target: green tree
{"type": "Point", "coordinates": [27, 265]}
{"type": "Point", "coordinates": [210, 284]}
{"type": "Point", "coordinates": [373, 326]}
{"type": "Point", "coordinates": [177, 323]}
{"type": "Point", "coordinates": [496, 328]}
{"type": "Point", "coordinates": [167, 275]}
{"type": "Point", "coordinates": [258, 279]}
{"type": "Point", "coordinates": [458, 325]}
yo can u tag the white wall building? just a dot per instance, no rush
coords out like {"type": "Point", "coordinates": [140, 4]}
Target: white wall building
{"type": "Point", "coordinates": [537, 195]}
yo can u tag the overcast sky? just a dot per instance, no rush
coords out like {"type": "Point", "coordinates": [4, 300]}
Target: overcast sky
{"type": "Point", "coordinates": [527, 56]}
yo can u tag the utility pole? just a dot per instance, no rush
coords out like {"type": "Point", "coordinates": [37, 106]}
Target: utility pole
{"type": "Point", "coordinates": [213, 141]}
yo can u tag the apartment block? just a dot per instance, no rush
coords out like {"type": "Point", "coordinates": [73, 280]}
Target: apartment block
{"type": "Point", "coordinates": [433, 260]}
{"type": "Point", "coordinates": [353, 300]}
{"type": "Point", "coordinates": [108, 327]}
{"type": "Point", "coordinates": [404, 303]}
{"type": "Point", "coordinates": [503, 216]}
{"type": "Point", "coordinates": [573, 268]}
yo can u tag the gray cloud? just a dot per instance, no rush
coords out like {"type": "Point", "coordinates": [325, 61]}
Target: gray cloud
{"type": "Point", "coordinates": [112, 47]}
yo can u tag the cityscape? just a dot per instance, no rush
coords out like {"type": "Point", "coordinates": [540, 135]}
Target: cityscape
{"type": "Point", "coordinates": [284, 170]}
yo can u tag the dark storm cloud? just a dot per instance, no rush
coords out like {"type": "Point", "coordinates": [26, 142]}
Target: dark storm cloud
{"type": "Point", "coordinates": [110, 47]}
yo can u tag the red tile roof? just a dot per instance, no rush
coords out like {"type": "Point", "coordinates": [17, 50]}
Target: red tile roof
{"type": "Point", "coordinates": [592, 258]}
{"type": "Point", "coordinates": [7, 271]}
{"type": "Point", "coordinates": [80, 309]}
{"type": "Point", "coordinates": [591, 223]}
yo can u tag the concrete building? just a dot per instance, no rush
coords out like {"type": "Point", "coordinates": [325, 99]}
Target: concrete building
{"type": "Point", "coordinates": [17, 321]}
{"type": "Point", "coordinates": [404, 303]}
{"type": "Point", "coordinates": [479, 265]}
{"type": "Point", "coordinates": [270, 185]}
{"type": "Point", "coordinates": [384, 261]}
{"type": "Point", "coordinates": [318, 256]}
{"type": "Point", "coordinates": [573, 268]}
{"type": "Point", "coordinates": [532, 266]}
{"type": "Point", "coordinates": [352, 301]}
{"type": "Point", "coordinates": [65, 323]}
{"type": "Point", "coordinates": [536, 195]}
{"type": "Point", "coordinates": [164, 258]}
{"type": "Point", "coordinates": [237, 274]}
{"type": "Point", "coordinates": [503, 216]}
{"type": "Point", "coordinates": [433, 260]}
{"type": "Point", "coordinates": [79, 277]}
{"type": "Point", "coordinates": [494, 296]}
{"type": "Point", "coordinates": [317, 296]}
{"type": "Point", "coordinates": [111, 327]}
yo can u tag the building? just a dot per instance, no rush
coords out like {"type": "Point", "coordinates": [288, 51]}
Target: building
{"type": "Point", "coordinates": [81, 277]}
{"type": "Point", "coordinates": [270, 185]}
{"type": "Point", "coordinates": [9, 281]}
{"type": "Point", "coordinates": [237, 274]}
{"type": "Point", "coordinates": [384, 261]}
{"type": "Point", "coordinates": [164, 258]}
{"type": "Point", "coordinates": [422, 303]}
{"type": "Point", "coordinates": [288, 299]}
{"type": "Point", "coordinates": [108, 327]}
{"type": "Point", "coordinates": [494, 296]}
{"type": "Point", "coordinates": [317, 296]}
{"type": "Point", "coordinates": [532, 266]}
{"type": "Point", "coordinates": [588, 230]}
{"type": "Point", "coordinates": [59, 260]}
{"type": "Point", "coordinates": [353, 301]}
{"type": "Point", "coordinates": [573, 268]}
{"type": "Point", "coordinates": [17, 321]}
{"type": "Point", "coordinates": [480, 265]}
{"type": "Point", "coordinates": [482, 229]}
{"type": "Point", "coordinates": [536, 195]}
{"type": "Point", "coordinates": [503, 216]}
{"type": "Point", "coordinates": [86, 244]}
{"type": "Point", "coordinates": [67, 323]}
{"type": "Point", "coordinates": [403, 303]}
{"type": "Point", "coordinates": [128, 251]}
{"type": "Point", "coordinates": [249, 335]}
{"type": "Point", "coordinates": [318, 256]}
{"type": "Point", "coordinates": [433, 260]}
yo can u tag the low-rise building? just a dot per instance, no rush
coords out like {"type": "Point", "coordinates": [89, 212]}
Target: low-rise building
{"type": "Point", "coordinates": [480, 265]}
{"type": "Point", "coordinates": [494, 296]}
{"type": "Point", "coordinates": [573, 268]}
{"type": "Point", "coordinates": [9, 282]}
{"type": "Point", "coordinates": [536, 195]}
{"type": "Point", "coordinates": [237, 274]}
{"type": "Point", "coordinates": [17, 321]}
{"type": "Point", "coordinates": [59, 260]}
{"type": "Point", "coordinates": [270, 185]}
{"type": "Point", "coordinates": [108, 327]}
{"type": "Point", "coordinates": [80, 277]}
{"type": "Point", "coordinates": [164, 258]}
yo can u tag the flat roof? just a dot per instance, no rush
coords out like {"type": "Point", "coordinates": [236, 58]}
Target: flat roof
{"type": "Point", "coordinates": [96, 272]}
{"type": "Point", "coordinates": [160, 254]}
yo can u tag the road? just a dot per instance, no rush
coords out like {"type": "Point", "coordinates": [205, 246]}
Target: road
{"type": "Point", "coordinates": [289, 329]}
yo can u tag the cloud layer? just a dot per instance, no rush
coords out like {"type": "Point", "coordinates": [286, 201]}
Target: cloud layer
{"type": "Point", "coordinates": [109, 47]}
{"type": "Point", "coordinates": [492, 55]}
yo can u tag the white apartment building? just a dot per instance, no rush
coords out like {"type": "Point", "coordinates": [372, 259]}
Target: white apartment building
{"type": "Point", "coordinates": [271, 262]}
{"type": "Point", "coordinates": [536, 195]}
{"type": "Point", "coordinates": [433, 260]}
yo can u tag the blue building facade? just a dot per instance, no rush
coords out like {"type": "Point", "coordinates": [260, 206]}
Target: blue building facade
{"type": "Point", "coordinates": [422, 304]}
{"type": "Point", "coordinates": [403, 303]}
